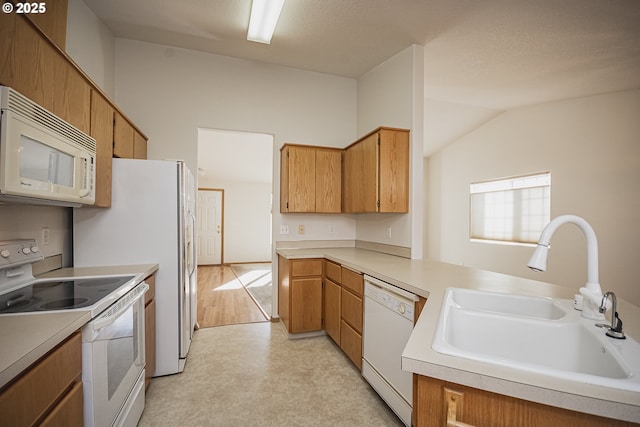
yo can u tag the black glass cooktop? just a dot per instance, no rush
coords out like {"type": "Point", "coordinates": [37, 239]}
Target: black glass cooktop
{"type": "Point", "coordinates": [60, 295]}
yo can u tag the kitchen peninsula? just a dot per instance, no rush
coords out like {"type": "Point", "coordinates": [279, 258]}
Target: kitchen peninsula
{"type": "Point", "coordinates": [429, 279]}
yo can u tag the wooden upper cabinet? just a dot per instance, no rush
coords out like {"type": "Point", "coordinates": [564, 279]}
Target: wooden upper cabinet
{"type": "Point", "coordinates": [123, 141]}
{"type": "Point", "coordinates": [35, 67]}
{"type": "Point", "coordinates": [53, 22]}
{"type": "Point", "coordinates": [376, 172]}
{"type": "Point", "coordinates": [139, 146]}
{"type": "Point", "coordinates": [328, 180]}
{"type": "Point", "coordinates": [102, 130]}
{"type": "Point", "coordinates": [310, 179]}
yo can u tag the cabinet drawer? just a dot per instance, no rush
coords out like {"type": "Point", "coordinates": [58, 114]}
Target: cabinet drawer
{"type": "Point", "coordinates": [69, 411]}
{"type": "Point", "coordinates": [351, 344]}
{"type": "Point", "coordinates": [42, 385]}
{"type": "Point", "coordinates": [332, 271]}
{"type": "Point", "coordinates": [306, 267]}
{"type": "Point", "coordinates": [353, 281]}
{"type": "Point", "coordinates": [352, 309]}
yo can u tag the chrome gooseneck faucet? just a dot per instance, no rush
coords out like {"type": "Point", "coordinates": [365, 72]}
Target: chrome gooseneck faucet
{"type": "Point", "coordinates": [591, 291]}
{"type": "Point", "coordinates": [615, 330]}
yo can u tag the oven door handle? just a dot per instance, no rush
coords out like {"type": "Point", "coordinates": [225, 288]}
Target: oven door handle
{"type": "Point", "coordinates": [109, 316]}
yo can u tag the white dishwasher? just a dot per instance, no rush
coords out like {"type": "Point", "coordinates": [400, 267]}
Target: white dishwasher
{"type": "Point", "coordinates": [388, 322]}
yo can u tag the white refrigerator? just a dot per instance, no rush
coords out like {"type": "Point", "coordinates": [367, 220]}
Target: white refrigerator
{"type": "Point", "coordinates": [151, 221]}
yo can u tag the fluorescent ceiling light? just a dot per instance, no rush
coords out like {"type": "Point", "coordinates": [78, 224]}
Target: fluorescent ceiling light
{"type": "Point", "coordinates": [264, 17]}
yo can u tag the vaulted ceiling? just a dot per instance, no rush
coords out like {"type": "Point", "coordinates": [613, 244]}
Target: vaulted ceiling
{"type": "Point", "coordinates": [481, 56]}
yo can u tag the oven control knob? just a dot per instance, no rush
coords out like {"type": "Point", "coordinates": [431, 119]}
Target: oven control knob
{"type": "Point", "coordinates": [26, 251]}
{"type": "Point", "coordinates": [35, 249]}
{"type": "Point", "coordinates": [5, 253]}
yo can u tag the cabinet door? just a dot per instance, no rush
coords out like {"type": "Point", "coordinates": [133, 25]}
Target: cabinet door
{"type": "Point", "coordinates": [139, 146]}
{"type": "Point", "coordinates": [102, 131]}
{"type": "Point", "coordinates": [328, 180]}
{"type": "Point", "coordinates": [361, 176]}
{"type": "Point", "coordinates": [394, 171]}
{"type": "Point", "coordinates": [306, 305]}
{"type": "Point", "coordinates": [301, 171]}
{"type": "Point", "coordinates": [25, 56]}
{"type": "Point", "coordinates": [53, 22]}
{"type": "Point", "coordinates": [71, 92]}
{"type": "Point", "coordinates": [33, 66]}
{"type": "Point", "coordinates": [122, 137]}
{"type": "Point", "coordinates": [332, 298]}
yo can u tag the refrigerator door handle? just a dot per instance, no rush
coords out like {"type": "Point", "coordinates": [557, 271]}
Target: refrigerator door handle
{"type": "Point", "coordinates": [192, 266]}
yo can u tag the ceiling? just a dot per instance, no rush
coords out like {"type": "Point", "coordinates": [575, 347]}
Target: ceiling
{"type": "Point", "coordinates": [481, 57]}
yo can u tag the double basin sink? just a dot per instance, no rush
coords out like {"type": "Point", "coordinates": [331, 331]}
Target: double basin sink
{"type": "Point", "coordinates": [541, 335]}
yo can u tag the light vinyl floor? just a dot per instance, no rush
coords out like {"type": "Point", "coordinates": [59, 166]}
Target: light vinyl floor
{"type": "Point", "coordinates": [252, 375]}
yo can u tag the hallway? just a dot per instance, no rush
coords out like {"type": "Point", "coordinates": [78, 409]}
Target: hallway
{"type": "Point", "coordinates": [223, 299]}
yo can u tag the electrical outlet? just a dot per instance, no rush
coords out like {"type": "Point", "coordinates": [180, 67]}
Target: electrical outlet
{"type": "Point", "coordinates": [301, 229]}
{"type": "Point", "coordinates": [284, 229]}
{"type": "Point", "coordinates": [388, 232]}
{"type": "Point", "coordinates": [45, 236]}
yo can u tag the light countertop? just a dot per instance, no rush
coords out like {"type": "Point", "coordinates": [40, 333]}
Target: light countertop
{"type": "Point", "coordinates": [430, 279]}
{"type": "Point", "coordinates": [27, 337]}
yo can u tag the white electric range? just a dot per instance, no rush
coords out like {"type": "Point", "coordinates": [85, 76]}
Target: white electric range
{"type": "Point", "coordinates": [113, 356]}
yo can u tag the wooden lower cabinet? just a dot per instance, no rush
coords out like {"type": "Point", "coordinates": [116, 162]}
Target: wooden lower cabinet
{"type": "Point", "coordinates": [306, 304]}
{"type": "Point", "coordinates": [150, 330]}
{"type": "Point", "coordinates": [69, 412]}
{"type": "Point", "coordinates": [351, 344]}
{"type": "Point", "coordinates": [351, 315]}
{"type": "Point", "coordinates": [300, 294]}
{"type": "Point", "coordinates": [49, 392]}
{"type": "Point", "coordinates": [440, 403]}
{"type": "Point", "coordinates": [332, 304]}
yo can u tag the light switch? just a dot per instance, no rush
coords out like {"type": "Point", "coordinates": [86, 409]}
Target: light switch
{"type": "Point", "coordinates": [284, 229]}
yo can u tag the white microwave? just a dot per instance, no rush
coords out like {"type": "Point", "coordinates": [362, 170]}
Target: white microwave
{"type": "Point", "coordinates": [43, 159]}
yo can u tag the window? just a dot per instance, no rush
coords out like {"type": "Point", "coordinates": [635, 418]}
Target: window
{"type": "Point", "coordinates": [510, 210]}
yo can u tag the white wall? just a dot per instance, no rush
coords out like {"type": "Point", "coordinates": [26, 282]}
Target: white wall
{"type": "Point", "coordinates": [591, 147]}
{"type": "Point", "coordinates": [26, 222]}
{"type": "Point", "coordinates": [247, 220]}
{"type": "Point", "coordinates": [392, 94]}
{"type": "Point", "coordinates": [170, 93]}
{"type": "Point", "coordinates": [91, 45]}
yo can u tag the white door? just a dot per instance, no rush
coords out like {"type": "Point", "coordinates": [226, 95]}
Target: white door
{"type": "Point", "coordinates": [209, 227]}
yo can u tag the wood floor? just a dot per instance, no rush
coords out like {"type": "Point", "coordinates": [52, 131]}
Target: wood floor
{"type": "Point", "coordinates": [222, 300]}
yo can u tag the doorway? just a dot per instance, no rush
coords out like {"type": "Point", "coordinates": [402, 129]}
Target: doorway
{"type": "Point", "coordinates": [235, 174]}
{"type": "Point", "coordinates": [210, 229]}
